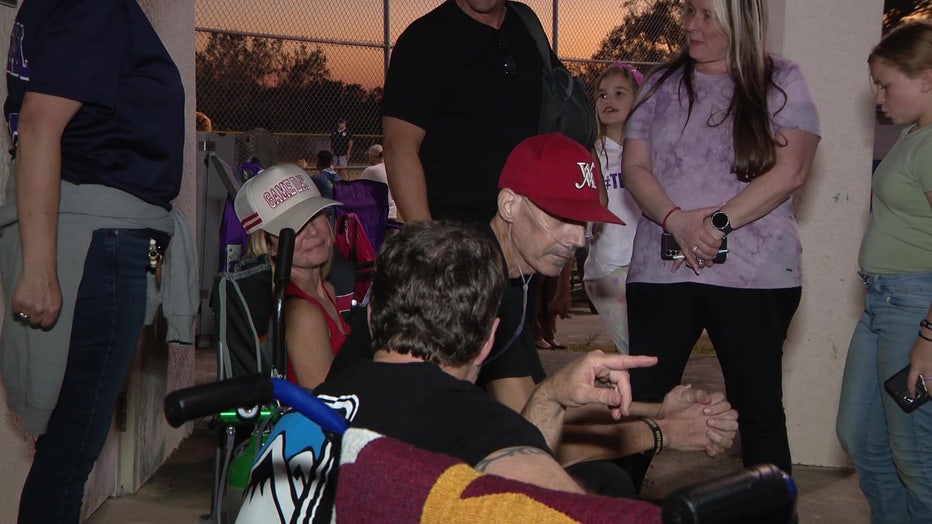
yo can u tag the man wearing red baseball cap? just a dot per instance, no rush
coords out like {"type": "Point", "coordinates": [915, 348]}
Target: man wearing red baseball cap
{"type": "Point", "coordinates": [548, 191]}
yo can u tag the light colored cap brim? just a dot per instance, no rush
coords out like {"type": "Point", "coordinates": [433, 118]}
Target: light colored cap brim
{"type": "Point", "coordinates": [299, 215]}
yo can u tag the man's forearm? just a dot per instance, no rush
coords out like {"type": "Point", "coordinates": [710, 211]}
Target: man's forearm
{"type": "Point", "coordinates": [548, 416]}
{"type": "Point", "coordinates": [582, 442]}
{"type": "Point", "coordinates": [645, 409]}
{"type": "Point", "coordinates": [408, 186]}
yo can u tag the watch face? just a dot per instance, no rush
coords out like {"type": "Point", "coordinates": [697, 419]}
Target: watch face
{"type": "Point", "coordinates": [719, 220]}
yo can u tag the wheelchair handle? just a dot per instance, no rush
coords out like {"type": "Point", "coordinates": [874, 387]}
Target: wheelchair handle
{"type": "Point", "coordinates": [744, 496]}
{"type": "Point", "coordinates": [281, 278]}
{"type": "Point", "coordinates": [207, 399]}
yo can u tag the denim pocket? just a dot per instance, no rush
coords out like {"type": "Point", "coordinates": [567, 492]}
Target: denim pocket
{"type": "Point", "coordinates": [909, 299]}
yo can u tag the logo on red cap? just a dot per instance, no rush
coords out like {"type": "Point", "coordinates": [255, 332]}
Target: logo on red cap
{"type": "Point", "coordinates": [588, 175]}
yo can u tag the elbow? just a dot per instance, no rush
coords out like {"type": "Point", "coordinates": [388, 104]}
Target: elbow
{"type": "Point", "coordinates": [798, 178]}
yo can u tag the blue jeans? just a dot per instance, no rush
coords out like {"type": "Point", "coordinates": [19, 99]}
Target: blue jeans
{"type": "Point", "coordinates": [108, 318]}
{"type": "Point", "coordinates": [891, 450]}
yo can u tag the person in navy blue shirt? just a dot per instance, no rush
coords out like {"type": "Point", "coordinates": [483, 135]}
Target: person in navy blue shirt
{"type": "Point", "coordinates": [96, 114]}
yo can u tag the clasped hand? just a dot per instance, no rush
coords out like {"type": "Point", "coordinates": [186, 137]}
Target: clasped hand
{"type": "Point", "coordinates": [692, 419]}
{"type": "Point", "coordinates": [698, 240]}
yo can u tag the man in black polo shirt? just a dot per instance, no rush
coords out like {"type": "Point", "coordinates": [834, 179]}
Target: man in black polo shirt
{"type": "Point", "coordinates": [463, 88]}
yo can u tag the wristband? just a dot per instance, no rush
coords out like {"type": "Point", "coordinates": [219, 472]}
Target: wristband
{"type": "Point", "coordinates": [658, 436]}
{"type": "Point", "coordinates": [663, 224]}
{"type": "Point", "coordinates": [925, 324]}
{"type": "Point", "coordinates": [924, 337]}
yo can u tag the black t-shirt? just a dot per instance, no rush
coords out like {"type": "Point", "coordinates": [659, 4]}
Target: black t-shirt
{"type": "Point", "coordinates": [339, 141]}
{"type": "Point", "coordinates": [129, 133]}
{"type": "Point", "coordinates": [448, 77]}
{"type": "Point", "coordinates": [421, 404]}
{"type": "Point", "coordinates": [513, 354]}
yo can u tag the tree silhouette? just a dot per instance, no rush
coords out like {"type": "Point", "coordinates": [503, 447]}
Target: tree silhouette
{"type": "Point", "coordinates": [647, 35]}
{"type": "Point", "coordinates": [245, 82]}
{"type": "Point", "coordinates": [894, 11]}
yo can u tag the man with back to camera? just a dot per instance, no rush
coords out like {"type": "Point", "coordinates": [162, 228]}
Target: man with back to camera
{"type": "Point", "coordinates": [548, 192]}
{"type": "Point", "coordinates": [435, 292]}
{"type": "Point", "coordinates": [435, 295]}
{"type": "Point", "coordinates": [464, 78]}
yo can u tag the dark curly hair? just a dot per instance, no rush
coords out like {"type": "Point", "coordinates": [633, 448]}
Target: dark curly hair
{"type": "Point", "coordinates": [436, 290]}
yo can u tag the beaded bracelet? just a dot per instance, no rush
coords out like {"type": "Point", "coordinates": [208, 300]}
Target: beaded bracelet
{"type": "Point", "coordinates": [925, 324]}
{"type": "Point", "coordinates": [658, 436]}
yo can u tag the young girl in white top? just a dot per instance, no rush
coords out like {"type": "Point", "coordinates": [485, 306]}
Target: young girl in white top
{"type": "Point", "coordinates": [606, 266]}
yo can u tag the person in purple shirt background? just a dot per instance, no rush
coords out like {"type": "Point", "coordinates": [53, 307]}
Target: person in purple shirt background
{"type": "Point", "coordinates": [719, 139]}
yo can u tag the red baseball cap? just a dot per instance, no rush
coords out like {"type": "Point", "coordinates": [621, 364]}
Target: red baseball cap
{"type": "Point", "coordinates": [559, 176]}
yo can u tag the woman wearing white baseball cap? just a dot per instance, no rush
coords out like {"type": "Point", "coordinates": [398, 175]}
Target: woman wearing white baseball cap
{"type": "Point", "coordinates": [284, 196]}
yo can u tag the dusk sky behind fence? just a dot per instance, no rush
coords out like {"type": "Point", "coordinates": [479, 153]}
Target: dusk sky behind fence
{"type": "Point", "coordinates": [583, 25]}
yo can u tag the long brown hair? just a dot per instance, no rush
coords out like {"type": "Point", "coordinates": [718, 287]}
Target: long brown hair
{"type": "Point", "coordinates": [751, 69]}
{"type": "Point", "coordinates": [624, 71]}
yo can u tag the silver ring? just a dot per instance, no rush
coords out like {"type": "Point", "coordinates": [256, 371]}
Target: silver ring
{"type": "Point", "coordinates": [694, 249]}
{"type": "Point", "coordinates": [22, 316]}
{"type": "Point", "coordinates": [701, 262]}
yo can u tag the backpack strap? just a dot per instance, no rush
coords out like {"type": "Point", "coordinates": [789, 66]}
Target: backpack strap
{"type": "Point", "coordinates": [527, 15]}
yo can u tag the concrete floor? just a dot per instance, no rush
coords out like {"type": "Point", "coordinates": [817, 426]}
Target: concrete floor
{"type": "Point", "coordinates": [180, 491]}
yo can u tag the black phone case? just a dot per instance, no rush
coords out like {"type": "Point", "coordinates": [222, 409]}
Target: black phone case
{"type": "Point", "coordinates": [669, 249]}
{"type": "Point", "coordinates": [896, 388]}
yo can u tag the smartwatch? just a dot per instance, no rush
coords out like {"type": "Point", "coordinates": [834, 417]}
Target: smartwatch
{"type": "Point", "coordinates": [721, 222]}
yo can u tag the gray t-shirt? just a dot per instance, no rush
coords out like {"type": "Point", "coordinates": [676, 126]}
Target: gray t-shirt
{"type": "Point", "coordinates": [692, 162]}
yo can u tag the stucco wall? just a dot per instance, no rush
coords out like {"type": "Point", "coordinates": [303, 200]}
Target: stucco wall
{"type": "Point", "coordinates": [162, 368]}
{"type": "Point", "coordinates": [830, 39]}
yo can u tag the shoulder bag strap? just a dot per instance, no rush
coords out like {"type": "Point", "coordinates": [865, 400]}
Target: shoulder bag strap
{"type": "Point", "coordinates": [527, 15]}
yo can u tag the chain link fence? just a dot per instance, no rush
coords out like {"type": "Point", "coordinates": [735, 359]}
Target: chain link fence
{"type": "Point", "coordinates": [279, 74]}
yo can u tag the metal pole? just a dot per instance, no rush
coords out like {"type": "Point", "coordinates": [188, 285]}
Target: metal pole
{"type": "Point", "coordinates": [386, 36]}
{"type": "Point", "coordinates": [556, 27]}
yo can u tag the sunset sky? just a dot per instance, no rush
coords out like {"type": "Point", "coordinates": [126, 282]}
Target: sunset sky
{"type": "Point", "coordinates": [583, 25]}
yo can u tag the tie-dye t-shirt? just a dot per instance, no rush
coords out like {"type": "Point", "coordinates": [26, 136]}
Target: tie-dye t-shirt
{"type": "Point", "coordinates": [692, 162]}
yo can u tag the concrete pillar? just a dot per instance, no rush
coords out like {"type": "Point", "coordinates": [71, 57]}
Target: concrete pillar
{"type": "Point", "coordinates": [830, 39]}
{"type": "Point", "coordinates": [161, 368]}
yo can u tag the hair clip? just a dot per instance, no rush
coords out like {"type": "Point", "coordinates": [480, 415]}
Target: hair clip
{"type": "Point", "coordinates": [638, 77]}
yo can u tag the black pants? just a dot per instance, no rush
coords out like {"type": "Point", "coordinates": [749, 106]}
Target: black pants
{"type": "Point", "coordinates": [747, 328]}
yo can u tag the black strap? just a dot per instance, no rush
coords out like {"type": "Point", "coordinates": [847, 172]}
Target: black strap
{"type": "Point", "coordinates": [527, 15]}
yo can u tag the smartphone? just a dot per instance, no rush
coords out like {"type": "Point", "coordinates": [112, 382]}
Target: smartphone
{"type": "Point", "coordinates": [896, 388]}
{"type": "Point", "coordinates": [670, 250]}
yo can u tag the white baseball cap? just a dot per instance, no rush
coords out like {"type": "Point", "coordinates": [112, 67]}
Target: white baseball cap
{"type": "Point", "coordinates": [281, 196]}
